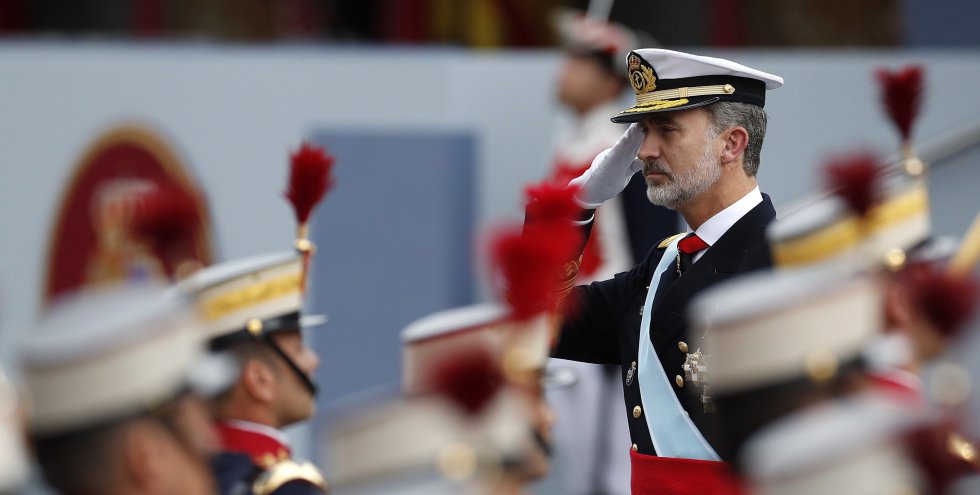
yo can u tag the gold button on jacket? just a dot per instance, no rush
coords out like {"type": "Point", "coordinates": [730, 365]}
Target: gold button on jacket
{"type": "Point", "coordinates": [637, 411]}
{"type": "Point", "coordinates": [679, 380]}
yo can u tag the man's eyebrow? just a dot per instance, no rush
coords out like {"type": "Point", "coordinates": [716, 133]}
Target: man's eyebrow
{"type": "Point", "coordinates": [660, 119]}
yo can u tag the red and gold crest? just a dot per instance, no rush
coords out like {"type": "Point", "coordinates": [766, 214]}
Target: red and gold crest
{"type": "Point", "coordinates": [91, 242]}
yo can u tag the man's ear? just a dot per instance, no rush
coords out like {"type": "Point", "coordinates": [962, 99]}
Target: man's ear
{"type": "Point", "coordinates": [143, 451]}
{"type": "Point", "coordinates": [897, 306]}
{"type": "Point", "coordinates": [736, 139]}
{"type": "Point", "coordinates": [258, 380]}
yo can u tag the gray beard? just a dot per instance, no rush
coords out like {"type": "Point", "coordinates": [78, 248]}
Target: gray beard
{"type": "Point", "coordinates": [678, 190]}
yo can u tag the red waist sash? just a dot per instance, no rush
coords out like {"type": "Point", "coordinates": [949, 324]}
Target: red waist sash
{"type": "Point", "coordinates": [653, 475]}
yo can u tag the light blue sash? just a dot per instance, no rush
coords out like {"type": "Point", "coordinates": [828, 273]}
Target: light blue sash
{"type": "Point", "coordinates": [672, 431]}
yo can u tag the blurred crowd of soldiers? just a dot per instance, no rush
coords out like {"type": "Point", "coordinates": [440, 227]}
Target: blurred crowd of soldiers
{"type": "Point", "coordinates": [837, 360]}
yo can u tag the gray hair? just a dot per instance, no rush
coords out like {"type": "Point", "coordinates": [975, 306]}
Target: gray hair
{"type": "Point", "coordinates": [753, 118]}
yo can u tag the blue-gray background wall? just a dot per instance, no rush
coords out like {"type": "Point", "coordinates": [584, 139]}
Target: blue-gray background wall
{"type": "Point", "coordinates": [395, 242]}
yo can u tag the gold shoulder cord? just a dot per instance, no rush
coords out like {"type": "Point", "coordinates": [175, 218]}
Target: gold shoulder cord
{"type": "Point", "coordinates": [286, 471]}
{"type": "Point", "coordinates": [666, 242]}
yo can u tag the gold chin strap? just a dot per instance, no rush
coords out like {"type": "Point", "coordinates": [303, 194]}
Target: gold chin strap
{"type": "Point", "coordinates": [687, 92]}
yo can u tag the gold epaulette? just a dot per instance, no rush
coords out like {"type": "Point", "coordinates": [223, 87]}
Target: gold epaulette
{"type": "Point", "coordinates": [666, 242]}
{"type": "Point", "coordinates": [286, 471]}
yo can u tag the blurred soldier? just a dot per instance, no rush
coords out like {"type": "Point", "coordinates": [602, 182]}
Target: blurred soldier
{"type": "Point", "coordinates": [810, 413]}
{"type": "Point", "coordinates": [488, 360]}
{"type": "Point", "coordinates": [697, 136]}
{"type": "Point", "coordinates": [798, 413]}
{"type": "Point", "coordinates": [590, 86]}
{"type": "Point", "coordinates": [521, 422]}
{"type": "Point", "coordinates": [13, 454]}
{"type": "Point", "coordinates": [588, 443]}
{"type": "Point", "coordinates": [252, 309]}
{"type": "Point", "coordinates": [113, 394]}
{"type": "Point", "coordinates": [465, 434]}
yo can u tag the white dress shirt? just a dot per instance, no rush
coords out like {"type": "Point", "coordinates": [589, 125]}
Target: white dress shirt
{"type": "Point", "coordinates": [716, 226]}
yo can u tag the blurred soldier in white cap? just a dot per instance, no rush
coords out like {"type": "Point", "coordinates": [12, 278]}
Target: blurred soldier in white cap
{"type": "Point", "coordinates": [801, 408]}
{"type": "Point", "coordinates": [114, 380]}
{"type": "Point", "coordinates": [522, 422]}
{"type": "Point", "coordinates": [465, 434]}
{"type": "Point", "coordinates": [697, 132]}
{"type": "Point", "coordinates": [252, 309]}
{"type": "Point", "coordinates": [488, 360]}
{"type": "Point", "coordinates": [588, 445]}
{"type": "Point", "coordinates": [783, 367]}
{"type": "Point", "coordinates": [590, 85]}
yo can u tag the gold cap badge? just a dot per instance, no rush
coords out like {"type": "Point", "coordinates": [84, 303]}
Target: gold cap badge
{"type": "Point", "coordinates": [641, 74]}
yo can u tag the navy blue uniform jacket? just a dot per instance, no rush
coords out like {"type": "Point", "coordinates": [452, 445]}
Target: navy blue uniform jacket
{"type": "Point", "coordinates": [235, 475]}
{"type": "Point", "coordinates": [604, 325]}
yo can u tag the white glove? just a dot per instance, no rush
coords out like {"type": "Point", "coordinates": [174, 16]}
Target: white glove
{"type": "Point", "coordinates": [611, 170]}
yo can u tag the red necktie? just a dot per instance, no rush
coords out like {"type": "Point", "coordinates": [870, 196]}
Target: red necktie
{"type": "Point", "coordinates": [691, 244]}
{"type": "Point", "coordinates": [685, 249]}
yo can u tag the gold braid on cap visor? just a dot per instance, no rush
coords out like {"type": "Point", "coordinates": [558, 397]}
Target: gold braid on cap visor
{"type": "Point", "coordinates": [654, 97]}
{"type": "Point", "coordinates": [669, 98]}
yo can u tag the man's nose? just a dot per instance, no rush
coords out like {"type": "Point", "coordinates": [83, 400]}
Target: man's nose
{"type": "Point", "coordinates": [649, 150]}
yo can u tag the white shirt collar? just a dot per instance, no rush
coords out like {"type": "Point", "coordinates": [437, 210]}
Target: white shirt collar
{"type": "Point", "coordinates": [716, 226]}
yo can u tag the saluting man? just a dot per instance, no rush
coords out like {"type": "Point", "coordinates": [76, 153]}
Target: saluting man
{"type": "Point", "coordinates": [697, 132]}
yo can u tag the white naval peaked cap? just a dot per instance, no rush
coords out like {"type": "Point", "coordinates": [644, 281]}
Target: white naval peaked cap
{"type": "Point", "coordinates": [781, 326]}
{"type": "Point", "coordinates": [668, 80]}
{"type": "Point", "coordinates": [107, 354]}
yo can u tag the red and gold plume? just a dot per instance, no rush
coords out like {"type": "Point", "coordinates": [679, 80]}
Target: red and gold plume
{"type": "Point", "coordinates": [167, 219]}
{"type": "Point", "coordinates": [309, 180]}
{"type": "Point", "coordinates": [944, 299]}
{"type": "Point", "coordinates": [855, 179]}
{"type": "Point", "coordinates": [529, 262]}
{"type": "Point", "coordinates": [901, 94]}
{"type": "Point", "coordinates": [469, 378]}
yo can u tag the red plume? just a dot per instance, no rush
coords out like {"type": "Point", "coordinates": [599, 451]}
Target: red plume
{"type": "Point", "coordinates": [309, 179]}
{"type": "Point", "coordinates": [855, 179]}
{"type": "Point", "coordinates": [945, 300]}
{"type": "Point", "coordinates": [530, 264]}
{"type": "Point", "coordinates": [470, 378]}
{"type": "Point", "coordinates": [166, 217]}
{"type": "Point", "coordinates": [551, 203]}
{"type": "Point", "coordinates": [901, 92]}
